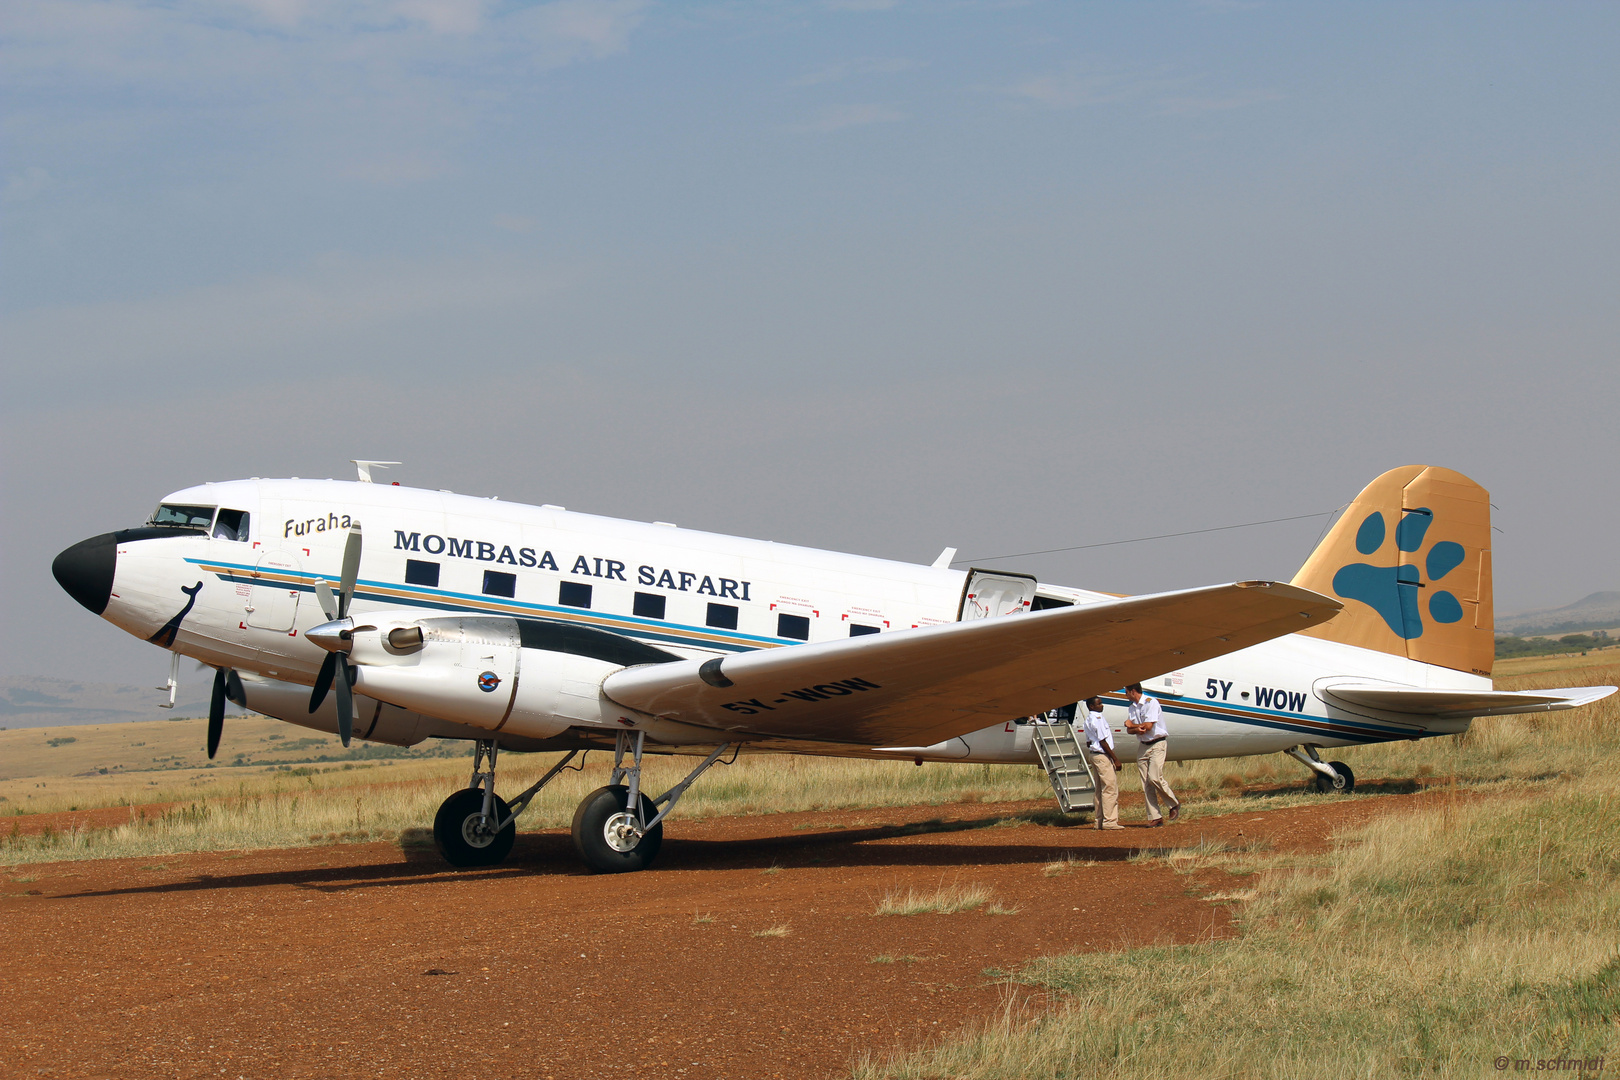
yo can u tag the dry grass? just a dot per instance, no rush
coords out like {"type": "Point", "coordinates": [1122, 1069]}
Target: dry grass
{"type": "Point", "coordinates": [257, 807]}
{"type": "Point", "coordinates": [1431, 943]}
{"type": "Point", "coordinates": [1427, 942]}
{"type": "Point", "coordinates": [163, 761]}
{"type": "Point", "coordinates": [944, 900]}
{"type": "Point", "coordinates": [1062, 866]}
{"type": "Point", "coordinates": [782, 930]}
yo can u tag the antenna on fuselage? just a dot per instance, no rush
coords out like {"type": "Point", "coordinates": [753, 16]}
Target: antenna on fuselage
{"type": "Point", "coordinates": [365, 467]}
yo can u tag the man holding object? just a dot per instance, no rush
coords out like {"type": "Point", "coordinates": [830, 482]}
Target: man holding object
{"type": "Point", "coordinates": [1104, 763]}
{"type": "Point", "coordinates": [1145, 720]}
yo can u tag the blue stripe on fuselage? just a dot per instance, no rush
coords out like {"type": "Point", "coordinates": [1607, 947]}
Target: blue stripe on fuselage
{"type": "Point", "coordinates": [445, 600]}
{"type": "Point", "coordinates": [1253, 716]}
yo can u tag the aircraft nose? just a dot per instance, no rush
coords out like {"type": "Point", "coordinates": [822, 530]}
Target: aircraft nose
{"type": "Point", "coordinates": [85, 570]}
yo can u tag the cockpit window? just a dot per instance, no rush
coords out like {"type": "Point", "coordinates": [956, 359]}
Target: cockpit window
{"type": "Point", "coordinates": [187, 517]}
{"type": "Point", "coordinates": [231, 525]}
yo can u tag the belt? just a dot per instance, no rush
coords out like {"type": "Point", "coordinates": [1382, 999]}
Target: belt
{"type": "Point", "coordinates": [1155, 742]}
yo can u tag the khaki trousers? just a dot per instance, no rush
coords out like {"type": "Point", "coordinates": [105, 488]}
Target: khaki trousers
{"type": "Point", "coordinates": [1107, 790]}
{"type": "Point", "coordinates": [1150, 765]}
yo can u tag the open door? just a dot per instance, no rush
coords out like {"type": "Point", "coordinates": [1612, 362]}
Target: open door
{"type": "Point", "coordinates": [995, 592]}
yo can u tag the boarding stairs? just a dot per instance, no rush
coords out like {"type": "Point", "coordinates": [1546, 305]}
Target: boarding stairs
{"type": "Point", "coordinates": [1063, 755]}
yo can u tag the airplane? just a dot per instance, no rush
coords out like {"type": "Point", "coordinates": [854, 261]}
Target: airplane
{"type": "Point", "coordinates": [535, 628]}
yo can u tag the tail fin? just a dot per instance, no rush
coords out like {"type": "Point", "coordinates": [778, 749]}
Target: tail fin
{"type": "Point", "coordinates": [1413, 557]}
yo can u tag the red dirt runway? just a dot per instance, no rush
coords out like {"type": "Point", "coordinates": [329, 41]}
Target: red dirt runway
{"type": "Point", "coordinates": [369, 960]}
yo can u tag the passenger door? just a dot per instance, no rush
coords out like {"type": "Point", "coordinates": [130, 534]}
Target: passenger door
{"type": "Point", "coordinates": [995, 592]}
{"type": "Point", "coordinates": [272, 600]}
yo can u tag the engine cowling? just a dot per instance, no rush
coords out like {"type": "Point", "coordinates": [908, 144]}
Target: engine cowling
{"type": "Point", "coordinates": [522, 676]}
{"type": "Point", "coordinates": [375, 721]}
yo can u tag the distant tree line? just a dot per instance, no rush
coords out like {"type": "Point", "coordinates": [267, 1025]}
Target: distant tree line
{"type": "Point", "coordinates": [1508, 645]}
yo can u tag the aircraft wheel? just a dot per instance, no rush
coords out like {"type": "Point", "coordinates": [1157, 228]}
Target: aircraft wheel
{"type": "Point", "coordinates": [601, 839]}
{"type": "Point", "coordinates": [1343, 786]}
{"type": "Point", "coordinates": [464, 839]}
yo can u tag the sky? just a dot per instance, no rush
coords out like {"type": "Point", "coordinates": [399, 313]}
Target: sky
{"type": "Point", "coordinates": [882, 277]}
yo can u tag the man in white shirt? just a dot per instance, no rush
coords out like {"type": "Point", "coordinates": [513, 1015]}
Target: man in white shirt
{"type": "Point", "coordinates": [1146, 721]}
{"type": "Point", "coordinates": [1100, 748]}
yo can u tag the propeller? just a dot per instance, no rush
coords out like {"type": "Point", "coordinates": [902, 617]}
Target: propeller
{"type": "Point", "coordinates": [227, 687]}
{"type": "Point", "coordinates": [336, 637]}
{"type": "Point", "coordinates": [216, 712]}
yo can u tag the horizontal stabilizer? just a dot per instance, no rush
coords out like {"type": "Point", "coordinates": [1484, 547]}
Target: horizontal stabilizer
{"type": "Point", "coordinates": [921, 686]}
{"type": "Point", "coordinates": [1456, 704]}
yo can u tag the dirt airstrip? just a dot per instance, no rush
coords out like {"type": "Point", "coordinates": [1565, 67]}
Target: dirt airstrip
{"type": "Point", "coordinates": [751, 950]}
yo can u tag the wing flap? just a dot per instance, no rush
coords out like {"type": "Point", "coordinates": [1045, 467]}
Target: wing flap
{"type": "Point", "coordinates": [1457, 704]}
{"type": "Point", "coordinates": [922, 686]}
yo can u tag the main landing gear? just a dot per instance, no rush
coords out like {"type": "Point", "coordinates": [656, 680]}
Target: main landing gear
{"type": "Point", "coordinates": [1330, 776]}
{"type": "Point", "coordinates": [616, 827]}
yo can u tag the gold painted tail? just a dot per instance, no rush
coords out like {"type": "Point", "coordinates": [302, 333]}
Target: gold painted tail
{"type": "Point", "coordinates": [1412, 560]}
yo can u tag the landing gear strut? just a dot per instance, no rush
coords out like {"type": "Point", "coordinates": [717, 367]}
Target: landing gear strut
{"type": "Point", "coordinates": [475, 826]}
{"type": "Point", "coordinates": [1330, 776]}
{"type": "Point", "coordinates": [617, 828]}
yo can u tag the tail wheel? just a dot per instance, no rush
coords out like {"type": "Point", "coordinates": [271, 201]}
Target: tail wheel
{"type": "Point", "coordinates": [603, 835]}
{"type": "Point", "coordinates": [465, 837]}
{"type": "Point", "coordinates": [1345, 783]}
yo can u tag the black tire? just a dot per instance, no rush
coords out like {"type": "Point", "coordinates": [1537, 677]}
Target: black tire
{"type": "Point", "coordinates": [459, 842]}
{"type": "Point", "coordinates": [1346, 784]}
{"type": "Point", "coordinates": [590, 832]}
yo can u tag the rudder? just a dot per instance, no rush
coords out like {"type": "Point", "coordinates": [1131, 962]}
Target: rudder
{"type": "Point", "coordinates": [1412, 556]}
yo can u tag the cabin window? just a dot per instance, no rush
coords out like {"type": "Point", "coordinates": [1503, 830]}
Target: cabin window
{"type": "Point", "coordinates": [231, 525]}
{"type": "Point", "coordinates": [1041, 603]}
{"type": "Point", "coordinates": [723, 616]}
{"type": "Point", "coordinates": [649, 605]}
{"type": "Point", "coordinates": [574, 594]}
{"type": "Point", "coordinates": [793, 626]}
{"type": "Point", "coordinates": [185, 517]}
{"type": "Point", "coordinates": [418, 572]}
{"type": "Point", "coordinates": [857, 630]}
{"type": "Point", "coordinates": [499, 584]}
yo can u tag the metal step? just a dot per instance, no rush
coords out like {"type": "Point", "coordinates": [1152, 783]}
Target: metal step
{"type": "Point", "coordinates": [1064, 757]}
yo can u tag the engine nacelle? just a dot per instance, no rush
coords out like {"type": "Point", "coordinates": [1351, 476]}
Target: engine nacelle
{"type": "Point", "coordinates": [519, 676]}
{"type": "Point", "coordinates": [375, 721]}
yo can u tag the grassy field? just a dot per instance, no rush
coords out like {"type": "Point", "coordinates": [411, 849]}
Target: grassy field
{"type": "Point", "coordinates": [278, 797]}
{"type": "Point", "coordinates": [1478, 937]}
{"type": "Point", "coordinates": [45, 770]}
{"type": "Point", "coordinates": [276, 785]}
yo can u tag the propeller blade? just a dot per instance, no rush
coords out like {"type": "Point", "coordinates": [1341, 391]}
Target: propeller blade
{"type": "Point", "coordinates": [351, 570]}
{"type": "Point", "coordinates": [323, 597]}
{"type": "Point", "coordinates": [345, 703]}
{"type": "Point", "coordinates": [323, 681]}
{"type": "Point", "coordinates": [216, 713]}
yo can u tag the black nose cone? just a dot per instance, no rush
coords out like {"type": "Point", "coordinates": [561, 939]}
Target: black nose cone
{"type": "Point", "coordinates": [85, 570]}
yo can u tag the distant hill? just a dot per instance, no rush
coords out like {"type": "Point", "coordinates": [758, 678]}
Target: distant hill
{"type": "Point", "coordinates": [34, 702]}
{"type": "Point", "coordinates": [1599, 611]}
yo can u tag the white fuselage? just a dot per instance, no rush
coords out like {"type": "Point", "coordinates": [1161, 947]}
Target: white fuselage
{"type": "Point", "coordinates": [692, 593]}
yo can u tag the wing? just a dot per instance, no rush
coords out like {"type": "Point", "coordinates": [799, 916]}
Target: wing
{"type": "Point", "coordinates": [1456, 704]}
{"type": "Point", "coordinates": [917, 687]}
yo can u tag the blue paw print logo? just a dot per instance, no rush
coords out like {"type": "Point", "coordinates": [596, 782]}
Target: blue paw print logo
{"type": "Point", "coordinates": [1393, 591]}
